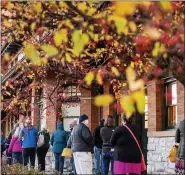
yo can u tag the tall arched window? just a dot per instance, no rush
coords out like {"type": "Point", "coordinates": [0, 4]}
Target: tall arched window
{"type": "Point", "coordinates": [71, 105]}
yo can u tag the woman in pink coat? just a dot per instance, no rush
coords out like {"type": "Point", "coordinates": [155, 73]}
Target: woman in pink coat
{"type": "Point", "coordinates": [15, 147]}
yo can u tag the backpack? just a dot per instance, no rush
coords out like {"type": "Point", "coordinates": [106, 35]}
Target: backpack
{"type": "Point", "coordinates": [40, 141]}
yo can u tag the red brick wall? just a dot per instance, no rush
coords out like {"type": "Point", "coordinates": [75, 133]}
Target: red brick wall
{"type": "Point", "coordinates": [87, 107]}
{"type": "Point", "coordinates": [180, 101]}
{"type": "Point", "coordinates": [154, 106]}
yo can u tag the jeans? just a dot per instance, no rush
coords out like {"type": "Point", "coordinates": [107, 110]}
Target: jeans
{"type": "Point", "coordinates": [73, 165]}
{"type": "Point", "coordinates": [17, 157]}
{"type": "Point", "coordinates": [97, 160]}
{"type": "Point", "coordinates": [107, 157]}
{"type": "Point", "coordinates": [41, 154]}
{"type": "Point", "coordinates": [29, 153]}
{"type": "Point", "coordinates": [59, 162]}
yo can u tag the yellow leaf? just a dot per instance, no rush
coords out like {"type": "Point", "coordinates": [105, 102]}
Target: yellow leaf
{"type": "Point", "coordinates": [127, 105]}
{"type": "Point", "coordinates": [37, 6]}
{"type": "Point", "coordinates": [44, 61]}
{"type": "Point", "coordinates": [132, 64]}
{"type": "Point", "coordinates": [31, 54]}
{"type": "Point", "coordinates": [6, 57]}
{"type": "Point", "coordinates": [49, 49]}
{"type": "Point", "coordinates": [82, 6]}
{"type": "Point", "coordinates": [120, 23]}
{"type": "Point", "coordinates": [60, 36]}
{"type": "Point", "coordinates": [89, 78]}
{"type": "Point", "coordinates": [99, 79]}
{"type": "Point", "coordinates": [63, 4]}
{"type": "Point", "coordinates": [33, 25]}
{"type": "Point", "coordinates": [91, 11]}
{"type": "Point", "coordinates": [10, 6]}
{"type": "Point", "coordinates": [7, 24]}
{"type": "Point", "coordinates": [103, 100]}
{"type": "Point", "coordinates": [30, 76]}
{"type": "Point", "coordinates": [79, 40]}
{"type": "Point", "coordinates": [125, 8]}
{"type": "Point", "coordinates": [68, 58]}
{"type": "Point", "coordinates": [139, 98]}
{"type": "Point", "coordinates": [115, 71]}
{"type": "Point", "coordinates": [132, 26]}
{"type": "Point", "coordinates": [166, 6]}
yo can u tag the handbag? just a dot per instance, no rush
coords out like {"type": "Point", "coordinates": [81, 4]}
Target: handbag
{"type": "Point", "coordinates": [40, 141]}
{"type": "Point", "coordinates": [67, 152]}
{"type": "Point", "coordinates": [172, 153]}
{"type": "Point", "coordinates": [143, 165]}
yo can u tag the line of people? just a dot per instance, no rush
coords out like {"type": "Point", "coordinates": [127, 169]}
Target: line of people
{"type": "Point", "coordinates": [110, 145]}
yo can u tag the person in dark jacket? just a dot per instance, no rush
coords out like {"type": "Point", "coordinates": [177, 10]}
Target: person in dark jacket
{"type": "Point", "coordinates": [59, 142]}
{"type": "Point", "coordinates": [7, 144]}
{"type": "Point", "coordinates": [2, 144]}
{"type": "Point", "coordinates": [82, 146]}
{"type": "Point", "coordinates": [179, 138]}
{"type": "Point", "coordinates": [127, 155]}
{"type": "Point", "coordinates": [29, 142]}
{"type": "Point", "coordinates": [107, 150]}
{"type": "Point", "coordinates": [42, 151]}
{"type": "Point", "coordinates": [98, 142]}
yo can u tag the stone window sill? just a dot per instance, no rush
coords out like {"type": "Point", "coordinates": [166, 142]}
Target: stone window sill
{"type": "Point", "coordinates": [161, 134]}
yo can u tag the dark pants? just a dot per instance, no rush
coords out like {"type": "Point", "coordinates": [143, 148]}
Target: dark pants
{"type": "Point", "coordinates": [29, 153]}
{"type": "Point", "coordinates": [107, 158]}
{"type": "Point", "coordinates": [9, 160]}
{"type": "Point", "coordinates": [17, 157]}
{"type": "Point", "coordinates": [59, 162]}
{"type": "Point", "coordinates": [41, 154]}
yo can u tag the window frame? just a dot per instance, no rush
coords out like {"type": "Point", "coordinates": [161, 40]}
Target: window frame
{"type": "Point", "coordinates": [165, 106]}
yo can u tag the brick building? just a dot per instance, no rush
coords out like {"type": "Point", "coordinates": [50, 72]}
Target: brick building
{"type": "Point", "coordinates": [164, 110]}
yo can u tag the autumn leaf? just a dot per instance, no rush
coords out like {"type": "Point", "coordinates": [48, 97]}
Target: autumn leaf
{"type": "Point", "coordinates": [120, 23]}
{"type": "Point", "coordinates": [82, 6]}
{"type": "Point", "coordinates": [60, 36]}
{"type": "Point", "coordinates": [37, 6]}
{"type": "Point", "coordinates": [33, 25]}
{"type": "Point", "coordinates": [124, 8]}
{"type": "Point", "coordinates": [132, 26]}
{"type": "Point", "coordinates": [139, 98]}
{"type": "Point", "coordinates": [49, 49]}
{"type": "Point", "coordinates": [30, 76]}
{"type": "Point", "coordinates": [115, 71]}
{"type": "Point", "coordinates": [79, 40]}
{"type": "Point", "coordinates": [166, 6]}
{"type": "Point", "coordinates": [127, 105]}
{"type": "Point", "coordinates": [31, 54]}
{"type": "Point", "coordinates": [10, 6]}
{"type": "Point", "coordinates": [89, 78]}
{"type": "Point", "coordinates": [68, 58]}
{"type": "Point", "coordinates": [103, 100]}
{"type": "Point", "coordinates": [6, 57]}
{"type": "Point", "coordinates": [99, 79]}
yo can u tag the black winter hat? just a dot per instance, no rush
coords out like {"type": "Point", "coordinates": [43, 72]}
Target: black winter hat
{"type": "Point", "coordinates": [82, 118]}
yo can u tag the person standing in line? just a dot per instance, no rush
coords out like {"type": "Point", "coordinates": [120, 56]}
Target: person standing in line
{"type": "Point", "coordinates": [2, 144]}
{"type": "Point", "coordinates": [15, 147]}
{"type": "Point", "coordinates": [82, 146]}
{"type": "Point", "coordinates": [7, 144]}
{"type": "Point", "coordinates": [107, 150]}
{"type": "Point", "coordinates": [127, 155]}
{"type": "Point", "coordinates": [29, 143]}
{"type": "Point", "coordinates": [42, 151]}
{"type": "Point", "coordinates": [98, 142]}
{"type": "Point", "coordinates": [179, 138]}
{"type": "Point", "coordinates": [59, 141]}
{"type": "Point", "coordinates": [69, 144]}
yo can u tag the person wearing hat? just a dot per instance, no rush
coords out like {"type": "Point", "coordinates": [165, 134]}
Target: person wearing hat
{"type": "Point", "coordinates": [82, 146]}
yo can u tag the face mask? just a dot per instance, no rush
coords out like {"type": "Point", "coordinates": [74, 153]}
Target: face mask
{"type": "Point", "coordinates": [86, 122]}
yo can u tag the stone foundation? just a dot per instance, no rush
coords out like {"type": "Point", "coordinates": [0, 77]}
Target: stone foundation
{"type": "Point", "coordinates": [157, 156]}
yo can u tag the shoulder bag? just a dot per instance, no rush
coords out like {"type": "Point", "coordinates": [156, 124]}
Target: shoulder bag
{"type": "Point", "coordinates": [143, 165]}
